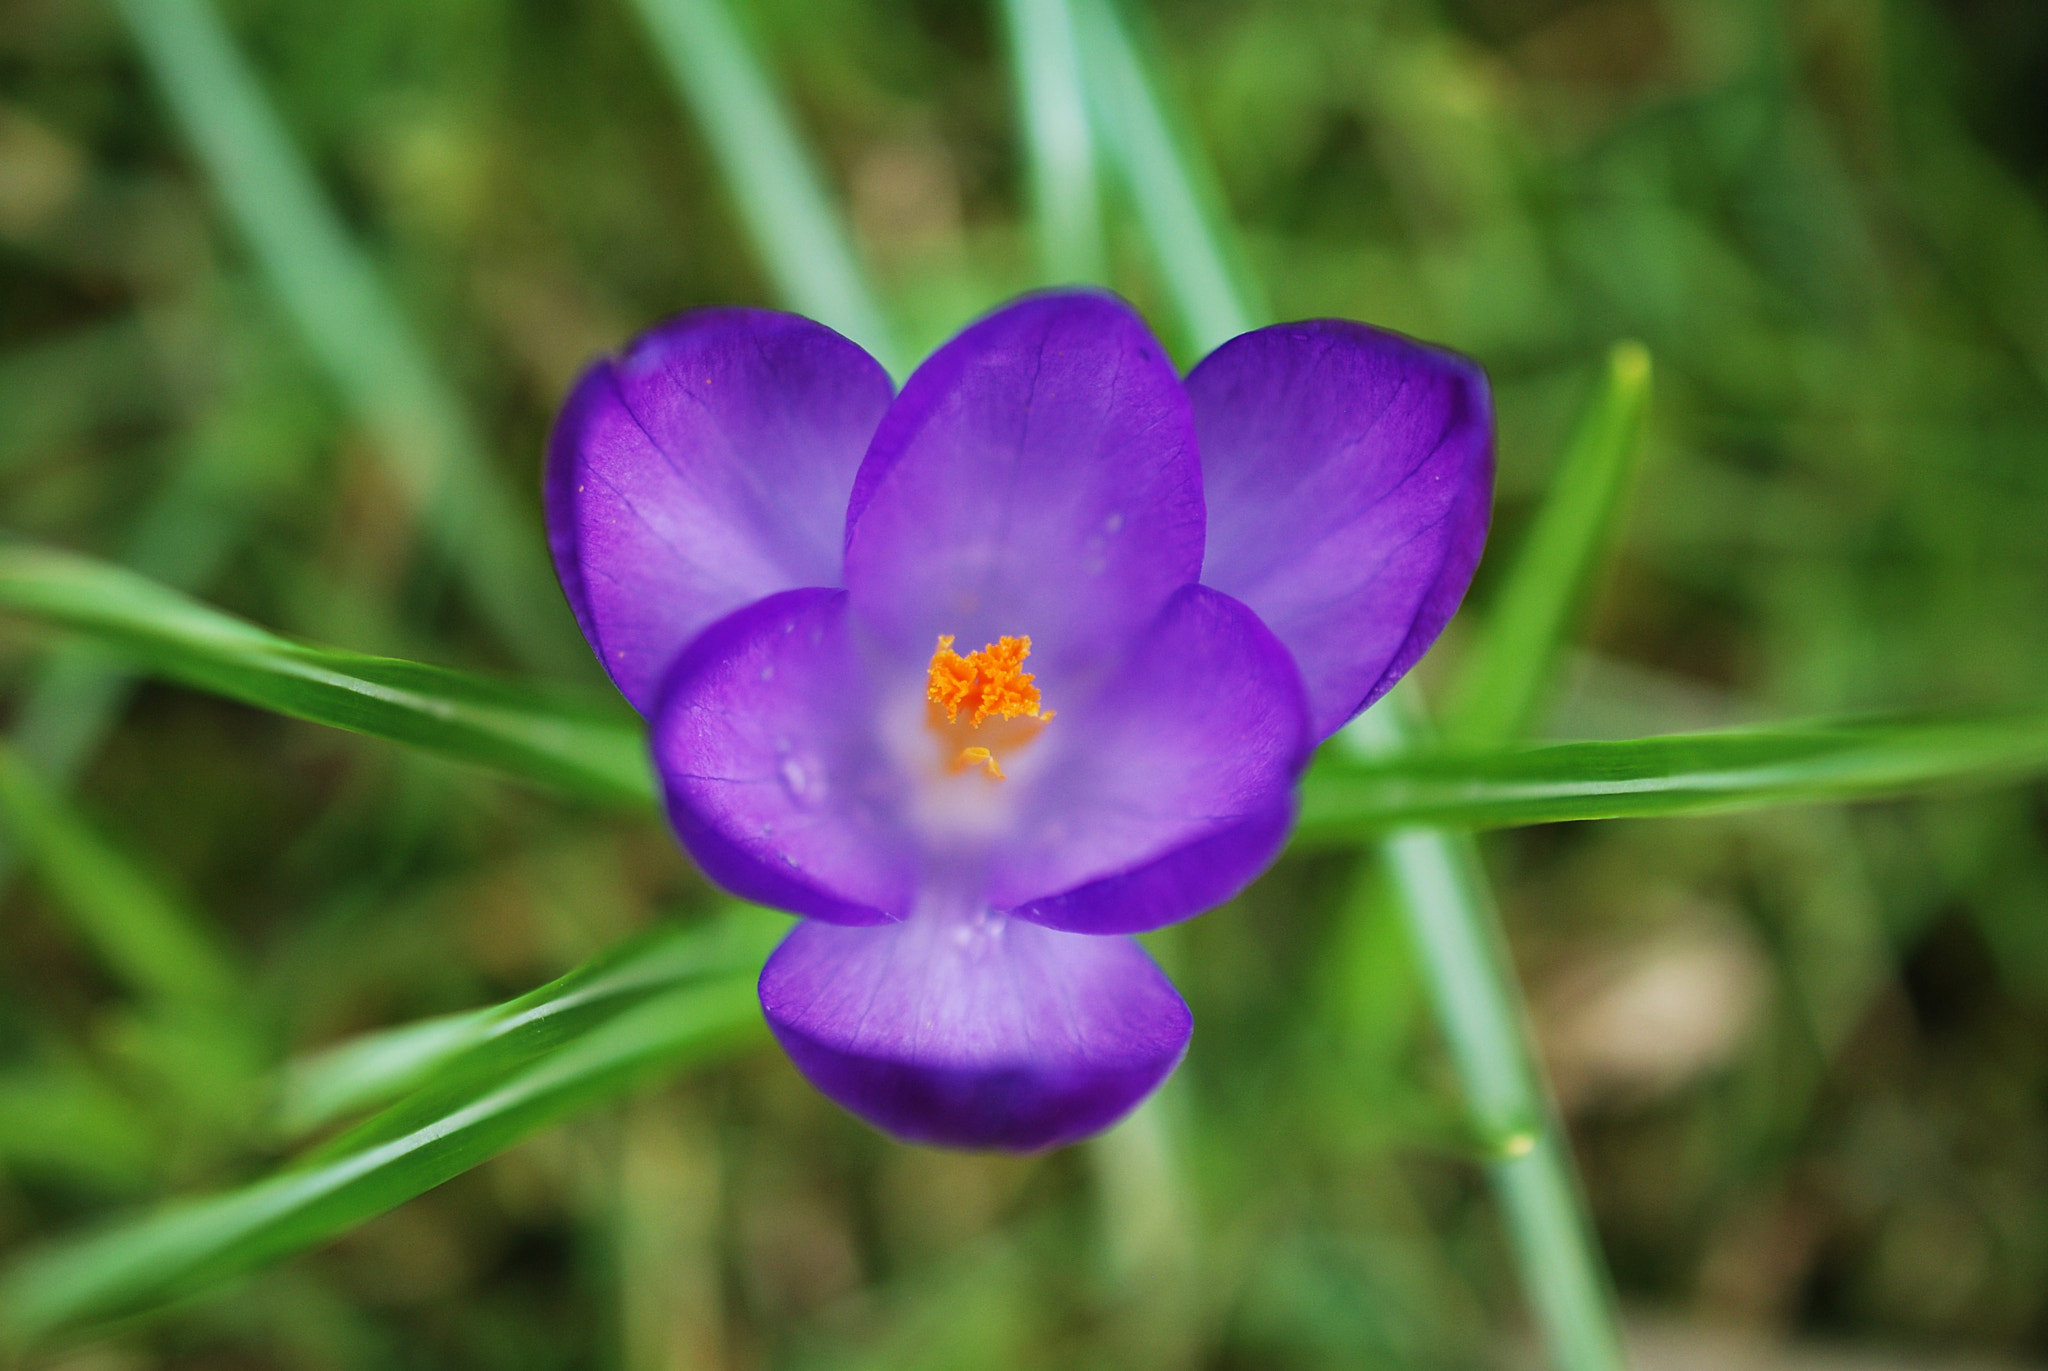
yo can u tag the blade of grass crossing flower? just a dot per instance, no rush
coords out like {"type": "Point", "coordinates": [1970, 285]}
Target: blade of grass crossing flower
{"type": "Point", "coordinates": [1538, 606]}
{"type": "Point", "coordinates": [1175, 198]}
{"type": "Point", "coordinates": [1065, 193]}
{"type": "Point", "coordinates": [148, 937]}
{"type": "Point", "coordinates": [334, 297]}
{"type": "Point", "coordinates": [1458, 941]}
{"type": "Point", "coordinates": [549, 1067]}
{"type": "Point", "coordinates": [1344, 800]}
{"type": "Point", "coordinates": [802, 242]}
{"type": "Point", "coordinates": [1444, 893]}
{"type": "Point", "coordinates": [572, 747]}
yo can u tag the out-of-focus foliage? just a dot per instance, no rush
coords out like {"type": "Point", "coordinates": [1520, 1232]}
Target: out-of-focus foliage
{"type": "Point", "coordinates": [1803, 1052]}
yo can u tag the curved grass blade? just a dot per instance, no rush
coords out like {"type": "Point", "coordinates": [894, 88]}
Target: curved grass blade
{"type": "Point", "coordinates": [679, 997]}
{"type": "Point", "coordinates": [772, 181]}
{"type": "Point", "coordinates": [352, 325]}
{"type": "Point", "coordinates": [569, 746]}
{"type": "Point", "coordinates": [1345, 800]}
{"type": "Point", "coordinates": [1535, 611]}
{"type": "Point", "coordinates": [146, 936]}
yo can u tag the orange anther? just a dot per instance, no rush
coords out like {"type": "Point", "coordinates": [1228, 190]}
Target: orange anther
{"type": "Point", "coordinates": [978, 756]}
{"type": "Point", "coordinates": [993, 681]}
{"type": "Point", "coordinates": [951, 679]}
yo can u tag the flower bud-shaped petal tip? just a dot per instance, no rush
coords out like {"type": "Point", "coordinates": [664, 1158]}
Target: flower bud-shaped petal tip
{"type": "Point", "coordinates": [706, 467]}
{"type": "Point", "coordinates": [1038, 475]}
{"type": "Point", "coordinates": [1349, 478]}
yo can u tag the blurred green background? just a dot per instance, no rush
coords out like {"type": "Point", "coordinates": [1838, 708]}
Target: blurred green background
{"type": "Point", "coordinates": [1803, 1054]}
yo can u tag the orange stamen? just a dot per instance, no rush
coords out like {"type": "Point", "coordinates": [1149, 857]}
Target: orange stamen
{"type": "Point", "coordinates": [994, 683]}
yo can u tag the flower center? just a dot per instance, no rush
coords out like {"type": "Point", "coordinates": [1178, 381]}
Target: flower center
{"type": "Point", "coordinates": [994, 686]}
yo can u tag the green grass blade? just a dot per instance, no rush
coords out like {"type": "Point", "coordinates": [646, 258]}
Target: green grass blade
{"type": "Point", "coordinates": [686, 997]}
{"type": "Point", "coordinates": [351, 324]}
{"type": "Point", "coordinates": [1540, 603]}
{"type": "Point", "coordinates": [1443, 890]}
{"type": "Point", "coordinates": [1065, 192]}
{"type": "Point", "coordinates": [772, 181]}
{"type": "Point", "coordinates": [446, 1051]}
{"type": "Point", "coordinates": [148, 937]}
{"type": "Point", "coordinates": [365, 1072]}
{"type": "Point", "coordinates": [1348, 800]}
{"type": "Point", "coordinates": [255, 442]}
{"type": "Point", "coordinates": [63, 1117]}
{"type": "Point", "coordinates": [1460, 947]}
{"type": "Point", "coordinates": [1176, 199]}
{"type": "Point", "coordinates": [572, 747]}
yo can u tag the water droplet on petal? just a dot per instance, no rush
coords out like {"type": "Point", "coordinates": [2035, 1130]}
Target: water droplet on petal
{"type": "Point", "coordinates": [804, 779]}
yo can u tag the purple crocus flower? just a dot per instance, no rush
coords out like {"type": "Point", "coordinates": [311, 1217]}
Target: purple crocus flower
{"type": "Point", "coordinates": [986, 676]}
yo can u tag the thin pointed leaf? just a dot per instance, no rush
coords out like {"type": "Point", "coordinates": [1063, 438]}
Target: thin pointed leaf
{"type": "Point", "coordinates": [1345, 800]}
{"type": "Point", "coordinates": [1175, 196]}
{"type": "Point", "coordinates": [1065, 197]}
{"type": "Point", "coordinates": [1461, 950]}
{"type": "Point", "coordinates": [691, 998]}
{"type": "Point", "coordinates": [352, 325]}
{"type": "Point", "coordinates": [74, 695]}
{"type": "Point", "coordinates": [148, 937]}
{"type": "Point", "coordinates": [445, 1055]}
{"type": "Point", "coordinates": [1539, 605]}
{"type": "Point", "coordinates": [770, 177]}
{"type": "Point", "coordinates": [365, 1072]}
{"type": "Point", "coordinates": [538, 738]}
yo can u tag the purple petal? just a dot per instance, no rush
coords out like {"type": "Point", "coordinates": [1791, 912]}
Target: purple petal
{"type": "Point", "coordinates": [1038, 476]}
{"type": "Point", "coordinates": [1186, 881]}
{"type": "Point", "coordinates": [1201, 730]}
{"type": "Point", "coordinates": [707, 467]}
{"type": "Point", "coordinates": [765, 744]}
{"type": "Point", "coordinates": [975, 1030]}
{"type": "Point", "coordinates": [1349, 475]}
